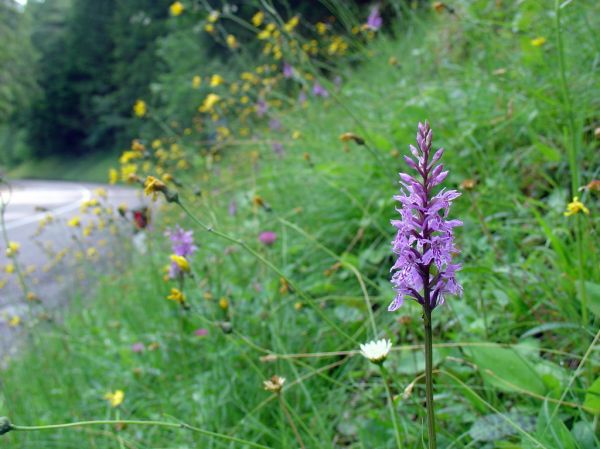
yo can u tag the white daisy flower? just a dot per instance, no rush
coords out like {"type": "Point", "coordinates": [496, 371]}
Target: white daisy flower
{"type": "Point", "coordinates": [377, 350]}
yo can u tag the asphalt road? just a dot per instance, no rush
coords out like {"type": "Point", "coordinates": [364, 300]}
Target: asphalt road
{"type": "Point", "coordinates": [29, 202]}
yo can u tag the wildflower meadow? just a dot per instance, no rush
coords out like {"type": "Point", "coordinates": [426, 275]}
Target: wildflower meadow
{"type": "Point", "coordinates": [306, 224]}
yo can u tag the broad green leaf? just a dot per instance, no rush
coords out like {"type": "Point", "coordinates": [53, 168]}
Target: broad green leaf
{"type": "Point", "coordinates": [507, 370]}
{"type": "Point", "coordinates": [593, 296]}
{"type": "Point", "coordinates": [592, 397]}
{"type": "Point", "coordinates": [495, 427]}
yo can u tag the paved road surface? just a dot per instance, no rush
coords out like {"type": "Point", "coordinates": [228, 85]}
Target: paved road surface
{"type": "Point", "coordinates": [30, 202]}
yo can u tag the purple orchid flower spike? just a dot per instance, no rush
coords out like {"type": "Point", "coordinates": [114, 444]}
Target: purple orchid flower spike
{"type": "Point", "coordinates": [424, 246]}
{"type": "Point", "coordinates": [374, 21]}
{"type": "Point", "coordinates": [288, 70]}
{"type": "Point", "coordinates": [319, 91]}
{"type": "Point", "coordinates": [261, 107]}
{"type": "Point", "coordinates": [424, 242]}
{"type": "Point", "coordinates": [182, 244]}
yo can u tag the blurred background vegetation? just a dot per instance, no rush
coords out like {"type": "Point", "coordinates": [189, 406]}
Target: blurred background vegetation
{"type": "Point", "coordinates": [72, 69]}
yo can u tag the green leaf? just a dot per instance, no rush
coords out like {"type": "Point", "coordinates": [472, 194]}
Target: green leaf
{"type": "Point", "coordinates": [551, 154]}
{"type": "Point", "coordinates": [507, 370]}
{"type": "Point", "coordinates": [593, 294]}
{"type": "Point", "coordinates": [592, 397]}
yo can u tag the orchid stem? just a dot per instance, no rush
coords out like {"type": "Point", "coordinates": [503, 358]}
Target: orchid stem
{"type": "Point", "coordinates": [429, 376]}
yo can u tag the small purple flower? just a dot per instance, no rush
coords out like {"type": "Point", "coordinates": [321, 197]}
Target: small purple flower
{"type": "Point", "coordinates": [274, 124]}
{"type": "Point", "coordinates": [337, 81]}
{"type": "Point", "coordinates": [201, 332]}
{"type": "Point", "coordinates": [319, 91]}
{"type": "Point", "coordinates": [278, 148]}
{"type": "Point", "coordinates": [267, 238]}
{"type": "Point", "coordinates": [302, 97]}
{"type": "Point", "coordinates": [424, 243]}
{"type": "Point", "coordinates": [138, 347]}
{"type": "Point", "coordinates": [182, 244]}
{"type": "Point", "coordinates": [374, 21]}
{"type": "Point", "coordinates": [288, 70]}
{"type": "Point", "coordinates": [261, 107]}
{"type": "Point", "coordinates": [232, 209]}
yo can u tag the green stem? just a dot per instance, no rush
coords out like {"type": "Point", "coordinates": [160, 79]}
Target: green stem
{"type": "Point", "coordinates": [137, 423]}
{"type": "Point", "coordinates": [581, 257]}
{"type": "Point", "coordinates": [572, 150]}
{"type": "Point", "coordinates": [429, 375]}
{"type": "Point", "coordinates": [386, 379]}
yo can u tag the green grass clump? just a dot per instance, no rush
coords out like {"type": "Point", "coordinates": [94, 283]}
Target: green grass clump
{"type": "Point", "coordinates": [516, 365]}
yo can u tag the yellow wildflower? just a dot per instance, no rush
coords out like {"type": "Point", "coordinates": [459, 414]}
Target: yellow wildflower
{"type": "Point", "coordinates": [113, 176]}
{"type": "Point", "coordinates": [92, 252]}
{"type": "Point", "coordinates": [576, 206]}
{"type": "Point", "coordinates": [196, 82]}
{"type": "Point", "coordinates": [9, 268]}
{"type": "Point", "coordinates": [258, 18]}
{"type": "Point", "coordinates": [223, 303]}
{"type": "Point", "coordinates": [115, 398]}
{"type": "Point", "coordinates": [177, 296]}
{"type": "Point", "coordinates": [139, 108]}
{"type": "Point", "coordinates": [291, 24]}
{"type": "Point", "coordinates": [87, 231]}
{"type": "Point", "coordinates": [216, 80]}
{"type": "Point", "coordinates": [209, 102]}
{"type": "Point", "coordinates": [264, 34]}
{"type": "Point", "coordinates": [176, 8]}
{"type": "Point", "coordinates": [152, 186]}
{"type": "Point", "coordinates": [296, 135]}
{"type": "Point", "coordinates": [538, 41]}
{"type": "Point", "coordinates": [213, 16]}
{"type": "Point", "coordinates": [32, 297]}
{"type": "Point", "coordinates": [12, 249]}
{"type": "Point", "coordinates": [181, 262]}
{"type": "Point", "coordinates": [321, 28]}
{"type": "Point", "coordinates": [156, 143]}
{"type": "Point", "coordinates": [128, 172]}
{"type": "Point", "coordinates": [231, 41]}
{"type": "Point", "coordinates": [209, 28]}
{"type": "Point", "coordinates": [74, 222]}
{"type": "Point", "coordinates": [14, 321]}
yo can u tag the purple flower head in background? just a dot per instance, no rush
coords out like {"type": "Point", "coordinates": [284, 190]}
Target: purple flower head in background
{"type": "Point", "coordinates": [278, 148]}
{"type": "Point", "coordinates": [267, 238]}
{"type": "Point", "coordinates": [288, 70]}
{"type": "Point", "coordinates": [338, 82]}
{"type": "Point", "coordinates": [374, 21]}
{"type": "Point", "coordinates": [274, 124]}
{"type": "Point", "coordinates": [424, 243]}
{"type": "Point", "coordinates": [201, 332]}
{"type": "Point", "coordinates": [182, 244]}
{"type": "Point", "coordinates": [138, 347]}
{"type": "Point", "coordinates": [302, 97]}
{"type": "Point", "coordinates": [319, 91]}
{"type": "Point", "coordinates": [261, 107]}
{"type": "Point", "coordinates": [232, 209]}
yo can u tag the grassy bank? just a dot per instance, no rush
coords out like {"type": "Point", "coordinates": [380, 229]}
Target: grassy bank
{"type": "Point", "coordinates": [515, 358]}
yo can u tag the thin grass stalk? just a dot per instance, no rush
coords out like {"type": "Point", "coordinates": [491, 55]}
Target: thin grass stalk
{"type": "Point", "coordinates": [390, 401]}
